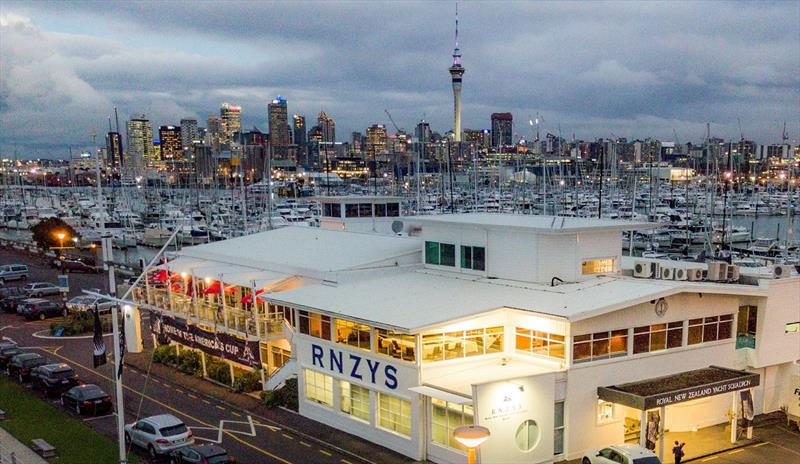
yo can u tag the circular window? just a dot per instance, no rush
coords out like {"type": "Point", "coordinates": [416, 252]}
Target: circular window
{"type": "Point", "coordinates": [528, 435]}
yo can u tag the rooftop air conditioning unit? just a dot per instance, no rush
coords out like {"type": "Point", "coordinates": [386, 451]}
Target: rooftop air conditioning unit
{"type": "Point", "coordinates": [680, 273]}
{"type": "Point", "coordinates": [780, 271]}
{"type": "Point", "coordinates": [667, 273]}
{"type": "Point", "coordinates": [733, 273]}
{"type": "Point", "coordinates": [644, 269]}
{"type": "Point", "coordinates": [717, 271]}
{"type": "Point", "coordinates": [694, 274]}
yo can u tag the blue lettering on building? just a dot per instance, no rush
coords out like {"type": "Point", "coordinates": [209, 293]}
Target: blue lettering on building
{"type": "Point", "coordinates": [357, 370]}
{"type": "Point", "coordinates": [357, 361]}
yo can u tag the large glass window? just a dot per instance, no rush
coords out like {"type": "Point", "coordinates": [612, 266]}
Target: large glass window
{"type": "Point", "coordinates": [445, 417]}
{"type": "Point", "coordinates": [393, 209]}
{"type": "Point", "coordinates": [280, 356]}
{"type": "Point", "coordinates": [394, 414]}
{"type": "Point", "coordinates": [354, 400]}
{"type": "Point", "coordinates": [599, 345]}
{"type": "Point", "coordinates": [460, 344]}
{"type": "Point", "coordinates": [657, 337]}
{"type": "Point", "coordinates": [558, 425]}
{"type": "Point", "coordinates": [319, 387]}
{"type": "Point", "coordinates": [597, 266]}
{"type": "Point", "coordinates": [353, 334]}
{"type": "Point", "coordinates": [396, 345]}
{"type": "Point", "coordinates": [473, 257]}
{"type": "Point", "coordinates": [442, 254]}
{"type": "Point", "coordinates": [315, 324]}
{"type": "Point", "coordinates": [540, 343]}
{"type": "Point", "coordinates": [709, 329]}
{"type": "Point", "coordinates": [351, 210]}
{"type": "Point", "coordinates": [746, 327]}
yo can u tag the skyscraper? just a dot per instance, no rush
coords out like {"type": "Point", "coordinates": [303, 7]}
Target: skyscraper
{"type": "Point", "coordinates": [214, 133]}
{"type": "Point", "coordinates": [328, 127]}
{"type": "Point", "coordinates": [456, 71]}
{"type": "Point", "coordinates": [376, 140]}
{"type": "Point", "coordinates": [277, 119]}
{"type": "Point", "coordinates": [188, 132]}
{"type": "Point", "coordinates": [171, 146]}
{"type": "Point", "coordinates": [231, 116]}
{"type": "Point", "coordinates": [140, 145]}
{"type": "Point", "coordinates": [502, 125]}
{"type": "Point", "coordinates": [299, 130]}
{"type": "Point", "coordinates": [113, 150]}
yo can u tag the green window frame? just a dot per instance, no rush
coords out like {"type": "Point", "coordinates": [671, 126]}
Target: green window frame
{"type": "Point", "coordinates": [473, 257]}
{"type": "Point", "coordinates": [440, 254]}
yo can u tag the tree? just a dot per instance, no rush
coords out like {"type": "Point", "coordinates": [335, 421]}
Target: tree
{"type": "Point", "coordinates": [47, 232]}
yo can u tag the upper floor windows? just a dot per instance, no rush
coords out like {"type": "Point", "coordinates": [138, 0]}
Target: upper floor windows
{"type": "Point", "coordinates": [657, 337]}
{"type": "Point", "coordinates": [353, 334]}
{"type": "Point", "coordinates": [396, 345]}
{"type": "Point", "coordinates": [314, 324]}
{"type": "Point", "coordinates": [540, 343]}
{"type": "Point", "coordinates": [599, 345]}
{"type": "Point", "coordinates": [473, 257]}
{"type": "Point", "coordinates": [709, 329]}
{"type": "Point", "coordinates": [746, 327]}
{"type": "Point", "coordinates": [462, 343]}
{"type": "Point", "coordinates": [442, 254]}
{"type": "Point", "coordinates": [597, 266]}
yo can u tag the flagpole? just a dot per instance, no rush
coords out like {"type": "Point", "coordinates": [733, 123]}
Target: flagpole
{"type": "Point", "coordinates": [118, 385]}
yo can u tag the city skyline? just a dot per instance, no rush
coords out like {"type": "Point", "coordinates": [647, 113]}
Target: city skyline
{"type": "Point", "coordinates": [593, 70]}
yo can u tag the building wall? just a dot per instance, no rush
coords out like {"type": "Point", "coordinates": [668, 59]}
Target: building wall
{"type": "Point", "coordinates": [782, 306]}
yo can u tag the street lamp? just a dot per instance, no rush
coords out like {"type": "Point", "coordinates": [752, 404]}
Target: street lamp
{"type": "Point", "coordinates": [471, 436]}
{"type": "Point", "coordinates": [61, 236]}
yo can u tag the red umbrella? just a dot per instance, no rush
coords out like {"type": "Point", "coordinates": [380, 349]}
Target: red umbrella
{"type": "Point", "coordinates": [160, 276]}
{"type": "Point", "coordinates": [212, 289]}
{"type": "Point", "coordinates": [248, 299]}
{"type": "Point", "coordinates": [176, 287]}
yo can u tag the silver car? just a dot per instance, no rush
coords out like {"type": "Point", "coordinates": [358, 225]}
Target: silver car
{"type": "Point", "coordinates": [86, 304]}
{"type": "Point", "coordinates": [159, 435]}
{"type": "Point", "coordinates": [13, 272]}
{"type": "Point", "coordinates": [37, 289]}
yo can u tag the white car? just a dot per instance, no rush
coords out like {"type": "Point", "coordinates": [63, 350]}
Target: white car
{"type": "Point", "coordinates": [39, 289]}
{"type": "Point", "coordinates": [159, 435]}
{"type": "Point", "coordinates": [86, 304]}
{"type": "Point", "coordinates": [621, 454]}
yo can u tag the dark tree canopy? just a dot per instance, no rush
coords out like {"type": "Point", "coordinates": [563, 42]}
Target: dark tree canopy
{"type": "Point", "coordinates": [45, 233]}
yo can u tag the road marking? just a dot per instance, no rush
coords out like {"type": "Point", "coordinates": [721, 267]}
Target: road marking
{"type": "Point", "coordinates": [191, 396]}
{"type": "Point", "coordinates": [737, 451]}
{"type": "Point", "coordinates": [166, 406]}
{"type": "Point", "coordinates": [345, 461]}
{"type": "Point", "coordinates": [236, 414]}
{"type": "Point", "coordinates": [220, 407]}
{"type": "Point", "coordinates": [782, 447]}
{"type": "Point", "coordinates": [288, 437]}
{"type": "Point", "coordinates": [305, 444]}
{"type": "Point", "coordinates": [710, 459]}
{"type": "Point", "coordinates": [154, 380]}
{"type": "Point", "coordinates": [326, 453]}
{"type": "Point", "coordinates": [178, 390]}
{"type": "Point", "coordinates": [760, 444]}
{"type": "Point", "coordinates": [99, 417]}
{"type": "Point", "coordinates": [206, 402]}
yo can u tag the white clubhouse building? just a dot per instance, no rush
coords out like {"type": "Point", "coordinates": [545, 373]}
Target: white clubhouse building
{"type": "Point", "coordinates": [532, 326]}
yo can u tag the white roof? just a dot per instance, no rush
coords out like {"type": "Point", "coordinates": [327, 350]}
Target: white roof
{"type": "Point", "coordinates": [305, 250]}
{"type": "Point", "coordinates": [416, 300]}
{"type": "Point", "coordinates": [230, 273]}
{"type": "Point", "coordinates": [535, 223]}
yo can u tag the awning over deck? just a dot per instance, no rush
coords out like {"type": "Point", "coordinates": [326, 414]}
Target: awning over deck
{"type": "Point", "coordinates": [231, 274]}
{"type": "Point", "coordinates": [678, 388]}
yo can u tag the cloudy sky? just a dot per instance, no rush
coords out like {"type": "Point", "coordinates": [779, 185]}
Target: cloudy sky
{"type": "Point", "coordinates": [631, 69]}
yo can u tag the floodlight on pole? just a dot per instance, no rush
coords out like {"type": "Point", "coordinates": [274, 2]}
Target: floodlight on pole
{"type": "Point", "coordinates": [471, 436]}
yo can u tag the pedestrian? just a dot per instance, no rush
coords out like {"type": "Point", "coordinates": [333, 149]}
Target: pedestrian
{"type": "Point", "coordinates": [677, 451]}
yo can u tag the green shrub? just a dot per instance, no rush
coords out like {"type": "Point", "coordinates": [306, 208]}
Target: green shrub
{"type": "Point", "coordinates": [219, 371]}
{"type": "Point", "coordinates": [165, 354]}
{"type": "Point", "coordinates": [285, 396]}
{"type": "Point", "coordinates": [246, 382]}
{"type": "Point", "coordinates": [78, 324]}
{"type": "Point", "coordinates": [189, 362]}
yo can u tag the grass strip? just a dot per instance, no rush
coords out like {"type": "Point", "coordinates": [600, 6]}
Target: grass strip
{"type": "Point", "coordinates": [29, 417]}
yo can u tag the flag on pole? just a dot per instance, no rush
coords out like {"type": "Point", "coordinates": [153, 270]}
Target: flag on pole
{"type": "Point", "coordinates": [99, 351]}
{"type": "Point", "coordinates": [121, 347]}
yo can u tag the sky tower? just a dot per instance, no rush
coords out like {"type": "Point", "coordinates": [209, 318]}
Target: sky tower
{"type": "Point", "coordinates": [456, 71]}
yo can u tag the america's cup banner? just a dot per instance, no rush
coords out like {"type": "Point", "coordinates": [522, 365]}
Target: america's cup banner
{"type": "Point", "coordinates": [219, 344]}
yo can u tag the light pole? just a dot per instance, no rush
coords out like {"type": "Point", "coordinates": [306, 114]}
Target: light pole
{"type": "Point", "coordinates": [471, 436]}
{"type": "Point", "coordinates": [60, 237]}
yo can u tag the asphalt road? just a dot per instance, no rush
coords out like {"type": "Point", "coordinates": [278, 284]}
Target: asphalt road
{"type": "Point", "coordinates": [249, 438]}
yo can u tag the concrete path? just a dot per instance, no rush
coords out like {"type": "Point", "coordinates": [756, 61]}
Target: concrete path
{"type": "Point", "coordinates": [23, 455]}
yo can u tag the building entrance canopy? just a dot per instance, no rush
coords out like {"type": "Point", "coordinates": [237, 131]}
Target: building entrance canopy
{"type": "Point", "coordinates": [678, 388]}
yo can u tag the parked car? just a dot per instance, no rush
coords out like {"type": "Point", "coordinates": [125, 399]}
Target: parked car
{"type": "Point", "coordinates": [39, 308]}
{"type": "Point", "coordinates": [201, 454]}
{"type": "Point", "coordinates": [21, 365]}
{"type": "Point", "coordinates": [86, 304]}
{"type": "Point", "coordinates": [8, 352]}
{"type": "Point", "coordinates": [8, 291]}
{"type": "Point", "coordinates": [10, 304]}
{"type": "Point", "coordinates": [87, 399]}
{"type": "Point", "coordinates": [53, 378]}
{"type": "Point", "coordinates": [75, 265]}
{"type": "Point", "coordinates": [159, 435]}
{"type": "Point", "coordinates": [6, 343]}
{"type": "Point", "coordinates": [621, 454]}
{"type": "Point", "coordinates": [13, 272]}
{"type": "Point", "coordinates": [35, 289]}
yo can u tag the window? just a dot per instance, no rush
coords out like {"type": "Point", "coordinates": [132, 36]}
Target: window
{"type": "Point", "coordinates": [558, 425]}
{"type": "Point", "coordinates": [365, 210]}
{"type": "Point", "coordinates": [540, 343]}
{"type": "Point", "coordinates": [393, 209]}
{"type": "Point", "coordinates": [442, 254]}
{"type": "Point", "coordinates": [354, 400]}
{"type": "Point", "coordinates": [280, 356]}
{"type": "Point", "coordinates": [597, 266]}
{"type": "Point", "coordinates": [445, 417]}
{"type": "Point", "coordinates": [319, 387]}
{"type": "Point", "coordinates": [527, 436]}
{"type": "Point", "coordinates": [336, 210]}
{"type": "Point", "coordinates": [600, 345]}
{"type": "Point", "coordinates": [657, 337]}
{"type": "Point", "coordinates": [709, 329]}
{"type": "Point", "coordinates": [473, 257]}
{"type": "Point", "coordinates": [792, 327]}
{"type": "Point", "coordinates": [396, 345]}
{"type": "Point", "coordinates": [315, 324]}
{"type": "Point", "coordinates": [605, 411]}
{"type": "Point", "coordinates": [351, 210]}
{"type": "Point", "coordinates": [394, 414]}
{"type": "Point", "coordinates": [461, 344]}
{"type": "Point", "coordinates": [353, 334]}
{"type": "Point", "coordinates": [746, 327]}
{"type": "Point", "coordinates": [380, 210]}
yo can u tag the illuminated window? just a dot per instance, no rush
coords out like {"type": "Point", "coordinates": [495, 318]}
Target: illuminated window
{"type": "Point", "coordinates": [709, 329]}
{"type": "Point", "coordinates": [793, 327]}
{"type": "Point", "coordinates": [657, 337]}
{"type": "Point", "coordinates": [461, 344]}
{"type": "Point", "coordinates": [394, 414]}
{"type": "Point", "coordinates": [473, 257]}
{"type": "Point", "coordinates": [396, 345]}
{"type": "Point", "coordinates": [599, 345]}
{"type": "Point", "coordinates": [540, 343]}
{"type": "Point", "coordinates": [527, 436]}
{"type": "Point", "coordinates": [605, 411]}
{"type": "Point", "coordinates": [597, 266]}
{"type": "Point", "coordinates": [746, 325]}
{"type": "Point", "coordinates": [445, 417]}
{"type": "Point", "coordinates": [442, 254]}
{"type": "Point", "coordinates": [354, 400]}
{"type": "Point", "coordinates": [280, 356]}
{"type": "Point", "coordinates": [315, 324]}
{"type": "Point", "coordinates": [353, 334]}
{"type": "Point", "coordinates": [319, 387]}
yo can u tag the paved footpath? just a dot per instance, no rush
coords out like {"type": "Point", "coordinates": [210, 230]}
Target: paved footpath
{"type": "Point", "coordinates": [22, 454]}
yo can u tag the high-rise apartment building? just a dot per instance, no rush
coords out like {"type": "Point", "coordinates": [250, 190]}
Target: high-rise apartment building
{"type": "Point", "coordinates": [113, 150]}
{"type": "Point", "coordinates": [327, 126]}
{"type": "Point", "coordinates": [171, 144]}
{"type": "Point", "coordinates": [214, 133]}
{"type": "Point", "coordinates": [478, 138]}
{"type": "Point", "coordinates": [376, 140]}
{"type": "Point", "coordinates": [299, 130]}
{"type": "Point", "coordinates": [231, 118]}
{"type": "Point", "coordinates": [278, 122]}
{"type": "Point", "coordinates": [502, 129]}
{"type": "Point", "coordinates": [140, 145]}
{"type": "Point", "coordinates": [188, 132]}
